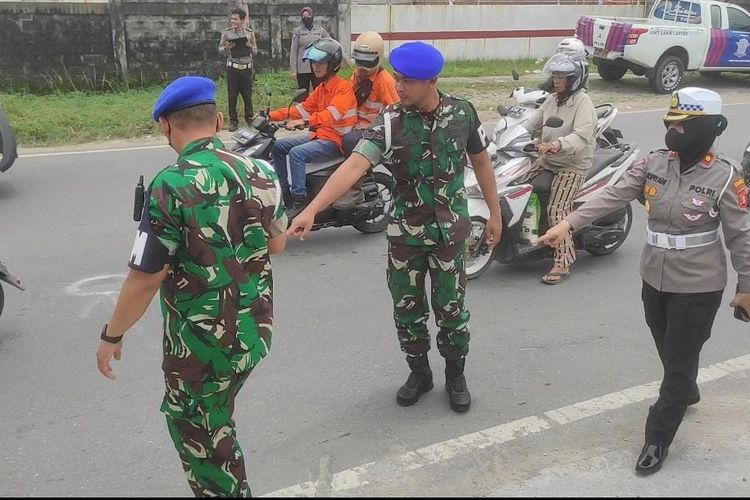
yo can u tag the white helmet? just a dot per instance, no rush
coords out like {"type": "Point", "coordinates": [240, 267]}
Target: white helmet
{"type": "Point", "coordinates": [568, 45]}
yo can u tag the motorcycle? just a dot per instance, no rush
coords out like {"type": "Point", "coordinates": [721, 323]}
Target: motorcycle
{"type": "Point", "coordinates": [524, 219]}
{"type": "Point", "coordinates": [8, 152]}
{"type": "Point", "coordinates": [513, 118]}
{"type": "Point", "coordinates": [369, 216]}
{"type": "Point", "coordinates": [11, 280]}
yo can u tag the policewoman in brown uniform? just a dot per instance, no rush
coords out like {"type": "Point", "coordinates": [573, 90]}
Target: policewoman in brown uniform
{"type": "Point", "coordinates": [690, 190]}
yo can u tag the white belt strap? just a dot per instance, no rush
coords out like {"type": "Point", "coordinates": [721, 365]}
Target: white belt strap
{"type": "Point", "coordinates": [681, 241]}
{"type": "Point", "coordinates": [388, 133]}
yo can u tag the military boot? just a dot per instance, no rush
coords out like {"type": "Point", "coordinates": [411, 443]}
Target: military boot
{"type": "Point", "coordinates": [419, 381]}
{"type": "Point", "coordinates": [455, 385]}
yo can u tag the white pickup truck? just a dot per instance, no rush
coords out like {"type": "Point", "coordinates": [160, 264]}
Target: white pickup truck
{"type": "Point", "coordinates": [678, 35]}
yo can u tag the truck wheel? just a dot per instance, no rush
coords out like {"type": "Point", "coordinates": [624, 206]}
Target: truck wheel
{"type": "Point", "coordinates": [610, 72]}
{"type": "Point", "coordinates": [668, 74]}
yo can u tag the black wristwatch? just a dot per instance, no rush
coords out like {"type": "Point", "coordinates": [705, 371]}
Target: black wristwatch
{"type": "Point", "coordinates": [111, 340]}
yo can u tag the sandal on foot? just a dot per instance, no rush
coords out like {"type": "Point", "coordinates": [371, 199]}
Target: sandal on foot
{"type": "Point", "coordinates": [561, 276]}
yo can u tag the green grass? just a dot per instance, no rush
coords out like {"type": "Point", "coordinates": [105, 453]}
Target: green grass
{"type": "Point", "coordinates": [478, 68]}
{"type": "Point", "coordinates": [65, 118]}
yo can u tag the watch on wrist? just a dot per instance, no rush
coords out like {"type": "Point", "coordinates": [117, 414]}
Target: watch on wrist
{"type": "Point", "coordinates": [106, 338]}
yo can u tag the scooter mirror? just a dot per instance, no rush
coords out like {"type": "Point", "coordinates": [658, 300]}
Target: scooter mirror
{"type": "Point", "coordinates": [300, 95]}
{"type": "Point", "coordinates": [554, 122]}
{"type": "Point", "coordinates": [516, 77]}
{"type": "Point", "coordinates": [502, 110]}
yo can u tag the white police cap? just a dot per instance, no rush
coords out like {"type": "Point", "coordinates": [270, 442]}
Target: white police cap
{"type": "Point", "coordinates": [691, 102]}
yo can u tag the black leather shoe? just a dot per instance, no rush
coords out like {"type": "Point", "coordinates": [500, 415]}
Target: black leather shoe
{"type": "Point", "coordinates": [695, 397]}
{"type": "Point", "coordinates": [651, 458]}
{"type": "Point", "coordinates": [419, 381]}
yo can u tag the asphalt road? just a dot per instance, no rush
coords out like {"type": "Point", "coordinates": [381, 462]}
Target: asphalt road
{"type": "Point", "coordinates": [324, 400]}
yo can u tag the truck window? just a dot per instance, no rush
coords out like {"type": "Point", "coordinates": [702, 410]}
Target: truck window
{"type": "Point", "coordinates": [680, 11]}
{"type": "Point", "coordinates": [659, 10]}
{"type": "Point", "coordinates": [716, 17]}
{"type": "Point", "coordinates": [738, 20]}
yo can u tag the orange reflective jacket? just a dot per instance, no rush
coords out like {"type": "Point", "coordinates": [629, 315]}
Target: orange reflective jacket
{"type": "Point", "coordinates": [383, 94]}
{"type": "Point", "coordinates": [331, 110]}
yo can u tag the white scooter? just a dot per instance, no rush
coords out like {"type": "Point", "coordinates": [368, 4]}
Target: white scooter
{"type": "Point", "coordinates": [524, 214]}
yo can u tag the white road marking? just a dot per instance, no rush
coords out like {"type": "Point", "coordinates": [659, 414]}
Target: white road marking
{"type": "Point", "coordinates": [383, 470]}
{"type": "Point", "coordinates": [100, 289]}
{"type": "Point", "coordinates": [93, 151]}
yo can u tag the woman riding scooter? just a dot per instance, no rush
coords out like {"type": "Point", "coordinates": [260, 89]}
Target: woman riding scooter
{"type": "Point", "coordinates": [565, 152]}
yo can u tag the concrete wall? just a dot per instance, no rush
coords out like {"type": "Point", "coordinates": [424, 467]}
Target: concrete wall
{"type": "Point", "coordinates": [77, 42]}
{"type": "Point", "coordinates": [480, 31]}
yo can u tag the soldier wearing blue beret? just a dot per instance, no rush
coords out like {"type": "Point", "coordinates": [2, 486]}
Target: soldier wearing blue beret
{"type": "Point", "coordinates": [207, 226]}
{"type": "Point", "coordinates": [425, 139]}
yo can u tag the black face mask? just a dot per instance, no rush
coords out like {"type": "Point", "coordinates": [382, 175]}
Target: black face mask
{"type": "Point", "coordinates": [308, 22]}
{"type": "Point", "coordinates": [692, 145]}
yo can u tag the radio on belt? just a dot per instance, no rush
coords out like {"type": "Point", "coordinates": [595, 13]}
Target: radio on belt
{"type": "Point", "coordinates": [139, 201]}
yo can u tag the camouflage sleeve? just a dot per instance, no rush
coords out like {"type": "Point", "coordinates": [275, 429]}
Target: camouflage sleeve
{"type": "Point", "coordinates": [478, 140]}
{"type": "Point", "coordinates": [375, 141]}
{"type": "Point", "coordinates": [160, 231]}
{"type": "Point", "coordinates": [276, 223]}
{"type": "Point", "coordinates": [279, 221]}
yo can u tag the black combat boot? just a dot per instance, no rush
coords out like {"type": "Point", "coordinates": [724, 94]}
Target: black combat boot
{"type": "Point", "coordinates": [419, 381]}
{"type": "Point", "coordinates": [455, 385]}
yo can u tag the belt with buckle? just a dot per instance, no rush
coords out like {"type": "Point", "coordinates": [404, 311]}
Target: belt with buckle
{"type": "Point", "coordinates": [681, 241]}
{"type": "Point", "coordinates": [238, 66]}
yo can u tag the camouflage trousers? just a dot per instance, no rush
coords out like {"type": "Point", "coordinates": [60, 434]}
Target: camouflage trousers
{"type": "Point", "coordinates": [408, 266]}
{"type": "Point", "coordinates": [199, 418]}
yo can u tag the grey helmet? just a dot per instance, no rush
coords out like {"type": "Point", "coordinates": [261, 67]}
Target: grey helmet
{"type": "Point", "coordinates": [325, 49]}
{"type": "Point", "coordinates": [572, 65]}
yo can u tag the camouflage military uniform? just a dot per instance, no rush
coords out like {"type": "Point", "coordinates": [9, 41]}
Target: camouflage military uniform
{"type": "Point", "coordinates": [210, 216]}
{"type": "Point", "coordinates": [429, 218]}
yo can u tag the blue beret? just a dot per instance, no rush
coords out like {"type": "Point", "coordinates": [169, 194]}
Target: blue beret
{"type": "Point", "coordinates": [185, 92]}
{"type": "Point", "coordinates": [417, 60]}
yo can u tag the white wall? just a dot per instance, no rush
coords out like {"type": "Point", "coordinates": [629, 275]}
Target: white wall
{"type": "Point", "coordinates": [395, 19]}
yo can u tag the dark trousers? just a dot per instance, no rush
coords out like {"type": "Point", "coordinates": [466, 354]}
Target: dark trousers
{"type": "Point", "coordinates": [305, 80]}
{"type": "Point", "coordinates": [240, 81]}
{"type": "Point", "coordinates": [680, 324]}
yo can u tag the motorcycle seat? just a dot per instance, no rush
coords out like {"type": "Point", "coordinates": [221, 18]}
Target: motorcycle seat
{"type": "Point", "coordinates": [603, 158]}
{"type": "Point", "coordinates": [311, 168]}
{"type": "Point", "coordinates": [603, 111]}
